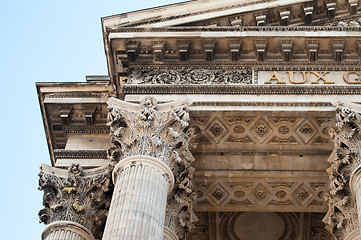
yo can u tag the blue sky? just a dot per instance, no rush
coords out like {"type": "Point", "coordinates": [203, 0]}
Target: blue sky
{"type": "Point", "coordinates": [42, 41]}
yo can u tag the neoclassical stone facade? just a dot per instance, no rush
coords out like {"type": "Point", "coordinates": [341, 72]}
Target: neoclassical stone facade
{"type": "Point", "coordinates": [219, 120]}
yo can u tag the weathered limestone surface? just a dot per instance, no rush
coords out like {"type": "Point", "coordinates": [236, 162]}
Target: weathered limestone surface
{"type": "Point", "coordinates": [65, 230]}
{"type": "Point", "coordinates": [139, 200]}
{"type": "Point", "coordinates": [150, 145]}
{"type": "Point", "coordinates": [345, 197]}
{"type": "Point", "coordinates": [74, 199]}
{"type": "Point", "coordinates": [261, 76]}
{"type": "Point", "coordinates": [169, 234]}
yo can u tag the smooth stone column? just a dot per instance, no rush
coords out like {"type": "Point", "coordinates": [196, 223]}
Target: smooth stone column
{"type": "Point", "coordinates": [355, 185]}
{"type": "Point", "coordinates": [169, 234]}
{"type": "Point", "coordinates": [139, 201]}
{"type": "Point", "coordinates": [66, 230]}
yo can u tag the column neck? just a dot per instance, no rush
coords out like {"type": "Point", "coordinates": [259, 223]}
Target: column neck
{"type": "Point", "coordinates": [147, 161]}
{"type": "Point", "coordinates": [355, 177]}
{"type": "Point", "coordinates": [65, 227]}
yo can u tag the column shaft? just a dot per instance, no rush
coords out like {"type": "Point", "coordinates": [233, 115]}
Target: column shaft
{"type": "Point", "coordinates": [138, 205]}
{"type": "Point", "coordinates": [65, 230]}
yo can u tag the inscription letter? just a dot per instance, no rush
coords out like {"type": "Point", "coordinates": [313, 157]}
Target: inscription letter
{"type": "Point", "coordinates": [275, 77]}
{"type": "Point", "coordinates": [321, 76]}
{"type": "Point", "coordinates": [346, 78]}
{"type": "Point", "coordinates": [291, 77]}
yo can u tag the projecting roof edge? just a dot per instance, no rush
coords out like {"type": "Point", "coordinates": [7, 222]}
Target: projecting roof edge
{"type": "Point", "coordinates": [240, 89]}
{"type": "Point", "coordinates": [190, 11]}
{"type": "Point", "coordinates": [238, 29]}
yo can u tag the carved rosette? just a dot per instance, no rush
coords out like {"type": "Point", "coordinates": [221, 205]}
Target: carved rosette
{"type": "Point", "coordinates": [190, 76]}
{"type": "Point", "coordinates": [76, 195]}
{"type": "Point", "coordinates": [160, 131]}
{"type": "Point", "coordinates": [341, 217]}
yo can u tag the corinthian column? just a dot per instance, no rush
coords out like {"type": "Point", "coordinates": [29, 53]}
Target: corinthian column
{"type": "Point", "coordinates": [149, 141]}
{"type": "Point", "coordinates": [76, 202]}
{"type": "Point", "coordinates": [344, 199]}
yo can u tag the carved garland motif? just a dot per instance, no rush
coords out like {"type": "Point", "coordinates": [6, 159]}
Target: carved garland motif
{"type": "Point", "coordinates": [342, 216]}
{"type": "Point", "coordinates": [166, 136]}
{"type": "Point", "coordinates": [81, 199]}
{"type": "Point", "coordinates": [190, 76]}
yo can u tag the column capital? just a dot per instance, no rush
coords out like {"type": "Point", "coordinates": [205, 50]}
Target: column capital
{"type": "Point", "coordinates": [150, 129]}
{"type": "Point", "coordinates": [341, 218]}
{"type": "Point", "coordinates": [77, 195]}
{"type": "Point", "coordinates": [160, 131]}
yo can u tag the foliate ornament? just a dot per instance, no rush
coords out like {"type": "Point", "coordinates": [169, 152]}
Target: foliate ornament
{"type": "Point", "coordinates": [261, 129]}
{"type": "Point", "coordinates": [190, 76]}
{"type": "Point", "coordinates": [341, 217]}
{"type": "Point", "coordinates": [284, 130]}
{"type": "Point", "coordinates": [238, 129]}
{"type": "Point", "coordinates": [76, 195]}
{"type": "Point", "coordinates": [200, 76]}
{"type": "Point", "coordinates": [160, 131]}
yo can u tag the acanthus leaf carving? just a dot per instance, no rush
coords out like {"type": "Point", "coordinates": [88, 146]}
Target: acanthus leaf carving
{"type": "Point", "coordinates": [190, 76]}
{"type": "Point", "coordinates": [76, 195]}
{"type": "Point", "coordinates": [161, 131]}
{"type": "Point", "coordinates": [341, 217]}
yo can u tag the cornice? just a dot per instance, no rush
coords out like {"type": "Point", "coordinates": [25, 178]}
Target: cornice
{"type": "Point", "coordinates": [258, 66]}
{"type": "Point", "coordinates": [240, 89]}
{"type": "Point", "coordinates": [286, 29]}
{"type": "Point", "coordinates": [80, 154]}
{"type": "Point", "coordinates": [223, 10]}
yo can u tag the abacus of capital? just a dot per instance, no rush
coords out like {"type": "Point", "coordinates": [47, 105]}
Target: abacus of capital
{"type": "Point", "coordinates": [218, 120]}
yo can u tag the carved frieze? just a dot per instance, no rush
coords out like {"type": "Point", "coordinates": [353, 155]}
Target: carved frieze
{"type": "Point", "coordinates": [264, 129]}
{"type": "Point", "coordinates": [341, 217]}
{"type": "Point", "coordinates": [160, 131]}
{"type": "Point", "coordinates": [257, 193]}
{"type": "Point", "coordinates": [76, 195]}
{"type": "Point", "coordinates": [190, 76]}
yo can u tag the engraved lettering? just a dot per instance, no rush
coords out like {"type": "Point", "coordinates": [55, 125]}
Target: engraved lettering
{"type": "Point", "coordinates": [321, 76]}
{"type": "Point", "coordinates": [275, 77]}
{"type": "Point", "coordinates": [291, 77]}
{"type": "Point", "coordinates": [346, 78]}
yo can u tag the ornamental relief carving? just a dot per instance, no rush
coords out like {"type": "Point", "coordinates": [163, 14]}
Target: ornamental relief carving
{"type": "Point", "coordinates": [76, 195]}
{"type": "Point", "coordinates": [190, 76]}
{"type": "Point", "coordinates": [160, 131]}
{"type": "Point", "coordinates": [260, 194]}
{"type": "Point", "coordinates": [307, 131]}
{"type": "Point", "coordinates": [341, 217]}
